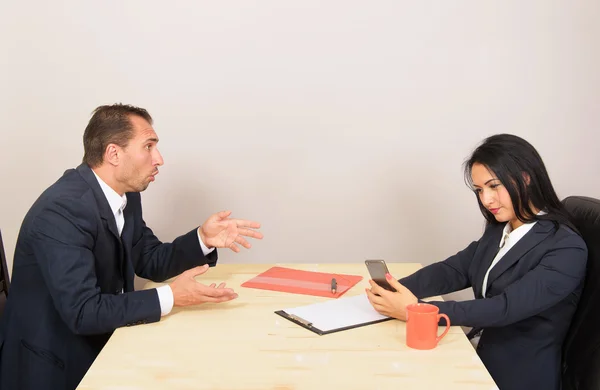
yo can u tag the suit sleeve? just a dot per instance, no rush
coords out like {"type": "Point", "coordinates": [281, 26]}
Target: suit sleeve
{"type": "Point", "coordinates": [442, 277]}
{"type": "Point", "coordinates": [159, 261]}
{"type": "Point", "coordinates": [558, 274]}
{"type": "Point", "coordinates": [63, 236]}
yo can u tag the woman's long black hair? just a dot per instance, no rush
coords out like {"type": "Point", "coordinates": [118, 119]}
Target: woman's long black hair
{"type": "Point", "coordinates": [519, 167]}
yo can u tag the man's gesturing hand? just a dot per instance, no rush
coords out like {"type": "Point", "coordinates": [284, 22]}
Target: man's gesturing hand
{"type": "Point", "coordinates": [187, 291]}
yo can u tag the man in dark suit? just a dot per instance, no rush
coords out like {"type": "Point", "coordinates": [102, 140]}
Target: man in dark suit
{"type": "Point", "coordinates": [79, 248]}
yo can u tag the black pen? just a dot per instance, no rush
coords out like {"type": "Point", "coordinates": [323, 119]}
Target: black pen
{"type": "Point", "coordinates": [333, 285]}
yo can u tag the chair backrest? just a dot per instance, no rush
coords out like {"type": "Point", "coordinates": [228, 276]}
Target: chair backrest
{"type": "Point", "coordinates": [4, 277]}
{"type": "Point", "coordinates": [581, 350]}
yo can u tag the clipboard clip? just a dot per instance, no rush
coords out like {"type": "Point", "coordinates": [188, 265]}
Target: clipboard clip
{"type": "Point", "coordinates": [299, 319]}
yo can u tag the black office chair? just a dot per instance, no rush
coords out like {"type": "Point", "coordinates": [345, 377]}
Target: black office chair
{"type": "Point", "coordinates": [581, 350]}
{"type": "Point", "coordinates": [4, 277]}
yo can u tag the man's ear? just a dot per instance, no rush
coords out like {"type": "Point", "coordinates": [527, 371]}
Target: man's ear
{"type": "Point", "coordinates": [112, 154]}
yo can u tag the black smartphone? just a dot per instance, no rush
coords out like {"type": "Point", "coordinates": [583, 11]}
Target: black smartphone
{"type": "Point", "coordinates": [377, 270]}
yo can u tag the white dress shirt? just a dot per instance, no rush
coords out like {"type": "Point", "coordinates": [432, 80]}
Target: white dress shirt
{"type": "Point", "coordinates": [117, 205]}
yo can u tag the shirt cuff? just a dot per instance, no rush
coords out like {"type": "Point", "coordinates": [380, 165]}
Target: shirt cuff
{"type": "Point", "coordinates": [205, 249]}
{"type": "Point", "coordinates": [165, 297]}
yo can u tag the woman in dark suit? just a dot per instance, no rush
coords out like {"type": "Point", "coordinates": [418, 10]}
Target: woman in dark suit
{"type": "Point", "coordinates": [526, 271]}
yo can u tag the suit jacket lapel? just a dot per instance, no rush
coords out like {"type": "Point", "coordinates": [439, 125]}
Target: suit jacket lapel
{"type": "Point", "coordinates": [537, 234]}
{"type": "Point", "coordinates": [108, 218]}
{"type": "Point", "coordinates": [127, 240]}
{"type": "Point", "coordinates": [103, 206]}
{"type": "Point", "coordinates": [127, 235]}
{"type": "Point", "coordinates": [492, 243]}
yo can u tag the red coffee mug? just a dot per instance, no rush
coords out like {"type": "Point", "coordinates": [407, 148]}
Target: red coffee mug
{"type": "Point", "coordinates": [422, 326]}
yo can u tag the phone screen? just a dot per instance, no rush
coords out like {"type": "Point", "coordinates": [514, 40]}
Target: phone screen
{"type": "Point", "coordinates": [377, 270]}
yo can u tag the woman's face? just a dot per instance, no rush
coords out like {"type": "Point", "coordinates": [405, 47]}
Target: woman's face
{"type": "Point", "coordinates": [493, 195]}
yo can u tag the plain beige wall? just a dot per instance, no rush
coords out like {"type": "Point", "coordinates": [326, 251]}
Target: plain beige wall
{"type": "Point", "coordinates": [339, 125]}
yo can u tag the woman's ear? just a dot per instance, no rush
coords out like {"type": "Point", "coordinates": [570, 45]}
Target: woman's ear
{"type": "Point", "coordinates": [527, 178]}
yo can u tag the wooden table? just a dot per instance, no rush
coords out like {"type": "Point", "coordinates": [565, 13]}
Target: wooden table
{"type": "Point", "coordinates": [242, 344]}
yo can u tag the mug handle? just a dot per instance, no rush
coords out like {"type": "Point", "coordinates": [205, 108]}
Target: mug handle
{"type": "Point", "coordinates": [437, 339]}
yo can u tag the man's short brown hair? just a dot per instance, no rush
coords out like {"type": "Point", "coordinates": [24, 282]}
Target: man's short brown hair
{"type": "Point", "coordinates": [109, 124]}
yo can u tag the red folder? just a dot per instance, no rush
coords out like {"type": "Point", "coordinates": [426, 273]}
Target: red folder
{"type": "Point", "coordinates": [302, 282]}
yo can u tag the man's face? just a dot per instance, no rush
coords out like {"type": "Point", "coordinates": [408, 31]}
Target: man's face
{"type": "Point", "coordinates": [141, 158]}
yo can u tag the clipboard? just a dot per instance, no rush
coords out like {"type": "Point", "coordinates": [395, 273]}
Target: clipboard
{"type": "Point", "coordinates": [334, 316]}
{"type": "Point", "coordinates": [302, 282]}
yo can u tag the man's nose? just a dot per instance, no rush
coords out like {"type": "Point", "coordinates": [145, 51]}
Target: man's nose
{"type": "Point", "coordinates": [158, 160]}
